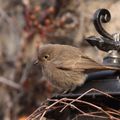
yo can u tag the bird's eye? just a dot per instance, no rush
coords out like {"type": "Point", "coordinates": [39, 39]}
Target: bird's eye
{"type": "Point", "coordinates": [46, 56]}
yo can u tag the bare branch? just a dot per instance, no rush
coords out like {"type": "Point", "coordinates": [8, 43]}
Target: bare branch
{"type": "Point", "coordinates": [10, 83]}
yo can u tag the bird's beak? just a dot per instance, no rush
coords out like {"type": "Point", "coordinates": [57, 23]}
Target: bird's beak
{"type": "Point", "coordinates": [36, 62]}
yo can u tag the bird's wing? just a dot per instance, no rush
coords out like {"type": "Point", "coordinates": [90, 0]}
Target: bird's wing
{"type": "Point", "coordinates": [81, 63]}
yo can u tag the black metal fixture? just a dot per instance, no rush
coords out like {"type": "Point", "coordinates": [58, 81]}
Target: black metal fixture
{"type": "Point", "coordinates": [106, 42]}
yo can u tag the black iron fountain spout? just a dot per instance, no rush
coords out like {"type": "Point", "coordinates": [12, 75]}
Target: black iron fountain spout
{"type": "Point", "coordinates": [106, 42]}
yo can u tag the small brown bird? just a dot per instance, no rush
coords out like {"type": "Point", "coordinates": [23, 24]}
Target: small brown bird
{"type": "Point", "coordinates": [66, 66]}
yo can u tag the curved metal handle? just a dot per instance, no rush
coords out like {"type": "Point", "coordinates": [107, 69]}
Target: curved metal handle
{"type": "Point", "coordinates": [102, 16]}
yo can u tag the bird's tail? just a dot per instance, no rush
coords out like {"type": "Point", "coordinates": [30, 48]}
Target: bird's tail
{"type": "Point", "coordinates": [106, 67]}
{"type": "Point", "coordinates": [101, 68]}
{"type": "Point", "coordinates": [92, 65]}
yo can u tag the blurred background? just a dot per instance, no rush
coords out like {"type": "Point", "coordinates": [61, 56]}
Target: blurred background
{"type": "Point", "coordinates": [26, 25]}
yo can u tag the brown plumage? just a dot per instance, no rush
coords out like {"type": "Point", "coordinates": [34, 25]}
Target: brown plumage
{"type": "Point", "coordinates": [66, 66]}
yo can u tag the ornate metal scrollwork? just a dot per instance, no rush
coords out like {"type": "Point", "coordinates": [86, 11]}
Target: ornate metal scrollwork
{"type": "Point", "coordinates": [106, 42]}
{"type": "Point", "coordinates": [102, 16]}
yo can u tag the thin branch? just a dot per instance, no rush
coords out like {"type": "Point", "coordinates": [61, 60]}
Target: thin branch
{"type": "Point", "coordinates": [35, 113]}
{"type": "Point", "coordinates": [10, 83]}
{"type": "Point", "coordinates": [96, 116]}
{"type": "Point", "coordinates": [93, 89]}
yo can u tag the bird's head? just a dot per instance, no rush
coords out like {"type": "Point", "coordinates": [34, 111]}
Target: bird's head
{"type": "Point", "coordinates": [46, 53]}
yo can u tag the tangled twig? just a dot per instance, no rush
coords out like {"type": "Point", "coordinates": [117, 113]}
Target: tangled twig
{"type": "Point", "coordinates": [63, 103]}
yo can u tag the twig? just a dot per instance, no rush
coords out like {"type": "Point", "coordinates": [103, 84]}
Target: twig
{"type": "Point", "coordinates": [41, 118]}
{"type": "Point", "coordinates": [96, 116]}
{"type": "Point", "coordinates": [10, 83]}
{"type": "Point", "coordinates": [93, 89]}
{"type": "Point", "coordinates": [83, 113]}
{"type": "Point", "coordinates": [71, 105]}
{"type": "Point", "coordinates": [40, 109]}
{"type": "Point", "coordinates": [93, 105]}
{"type": "Point", "coordinates": [69, 102]}
{"type": "Point", "coordinates": [84, 102]}
{"type": "Point", "coordinates": [54, 103]}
